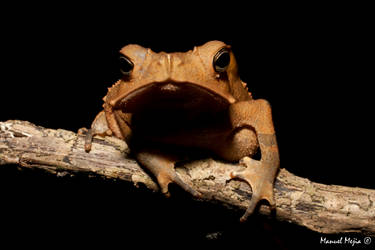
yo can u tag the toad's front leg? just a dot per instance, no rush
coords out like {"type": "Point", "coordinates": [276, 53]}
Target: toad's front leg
{"type": "Point", "coordinates": [256, 114]}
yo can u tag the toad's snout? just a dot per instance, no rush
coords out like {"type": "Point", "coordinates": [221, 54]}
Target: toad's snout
{"type": "Point", "coordinates": [169, 87]}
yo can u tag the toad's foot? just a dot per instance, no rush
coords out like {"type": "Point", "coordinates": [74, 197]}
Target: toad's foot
{"type": "Point", "coordinates": [260, 178]}
{"type": "Point", "coordinates": [88, 137]}
{"type": "Point", "coordinates": [162, 166]}
{"type": "Point", "coordinates": [167, 176]}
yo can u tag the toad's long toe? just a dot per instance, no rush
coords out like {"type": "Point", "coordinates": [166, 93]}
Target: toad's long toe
{"type": "Point", "coordinates": [162, 166]}
{"type": "Point", "coordinates": [166, 177]}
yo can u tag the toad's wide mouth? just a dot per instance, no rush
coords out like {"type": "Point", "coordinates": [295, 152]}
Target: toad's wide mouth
{"type": "Point", "coordinates": [180, 96]}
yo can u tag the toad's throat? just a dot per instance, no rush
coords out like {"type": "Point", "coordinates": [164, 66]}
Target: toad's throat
{"type": "Point", "coordinates": [173, 96]}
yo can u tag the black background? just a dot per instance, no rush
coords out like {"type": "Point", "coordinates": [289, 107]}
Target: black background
{"type": "Point", "coordinates": [312, 63]}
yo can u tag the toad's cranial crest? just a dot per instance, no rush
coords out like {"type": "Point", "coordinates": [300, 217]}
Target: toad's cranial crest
{"type": "Point", "coordinates": [166, 103]}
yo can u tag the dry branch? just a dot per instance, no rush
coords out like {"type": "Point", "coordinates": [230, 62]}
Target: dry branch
{"type": "Point", "coordinates": [322, 208]}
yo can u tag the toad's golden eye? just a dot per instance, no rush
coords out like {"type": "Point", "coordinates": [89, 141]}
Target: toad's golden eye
{"type": "Point", "coordinates": [126, 66]}
{"type": "Point", "coordinates": [221, 60]}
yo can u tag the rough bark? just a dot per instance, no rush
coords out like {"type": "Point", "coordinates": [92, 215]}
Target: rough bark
{"type": "Point", "coordinates": [319, 207]}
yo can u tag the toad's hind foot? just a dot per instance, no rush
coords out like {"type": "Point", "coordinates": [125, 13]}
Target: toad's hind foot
{"type": "Point", "coordinates": [260, 178]}
{"type": "Point", "coordinates": [162, 167]}
{"type": "Point", "coordinates": [166, 177]}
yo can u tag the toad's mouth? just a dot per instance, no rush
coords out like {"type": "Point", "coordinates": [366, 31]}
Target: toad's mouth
{"type": "Point", "coordinates": [181, 96]}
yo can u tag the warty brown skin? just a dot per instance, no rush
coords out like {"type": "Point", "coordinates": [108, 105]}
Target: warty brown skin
{"type": "Point", "coordinates": [184, 100]}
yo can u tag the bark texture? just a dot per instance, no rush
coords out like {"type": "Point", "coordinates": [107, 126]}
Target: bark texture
{"type": "Point", "coordinates": [319, 207]}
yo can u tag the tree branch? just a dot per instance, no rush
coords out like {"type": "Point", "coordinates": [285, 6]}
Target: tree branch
{"type": "Point", "coordinates": [319, 207]}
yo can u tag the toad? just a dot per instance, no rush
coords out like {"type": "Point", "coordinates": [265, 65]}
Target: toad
{"type": "Point", "coordinates": [168, 103]}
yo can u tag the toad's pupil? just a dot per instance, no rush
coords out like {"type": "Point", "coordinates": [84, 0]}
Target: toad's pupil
{"type": "Point", "coordinates": [221, 60]}
{"type": "Point", "coordinates": [126, 66]}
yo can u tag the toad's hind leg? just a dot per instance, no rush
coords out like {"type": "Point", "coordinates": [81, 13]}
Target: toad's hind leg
{"type": "Point", "coordinates": [162, 167]}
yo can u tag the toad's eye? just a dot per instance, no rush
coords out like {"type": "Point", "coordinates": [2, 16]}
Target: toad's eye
{"type": "Point", "coordinates": [221, 60]}
{"type": "Point", "coordinates": [126, 66]}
